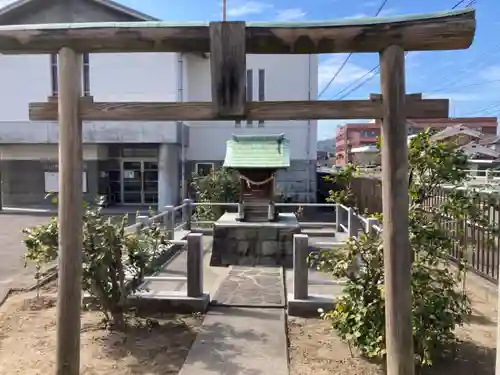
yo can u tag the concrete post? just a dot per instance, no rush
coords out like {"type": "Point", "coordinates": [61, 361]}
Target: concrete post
{"type": "Point", "coordinates": [169, 220]}
{"type": "Point", "coordinates": [187, 213]}
{"type": "Point", "coordinates": [164, 193]}
{"type": "Point", "coordinates": [300, 266]}
{"type": "Point", "coordinates": [195, 265]}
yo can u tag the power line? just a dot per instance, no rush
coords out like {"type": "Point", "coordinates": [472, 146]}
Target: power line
{"type": "Point", "coordinates": [466, 86]}
{"type": "Point", "coordinates": [375, 70]}
{"type": "Point", "coordinates": [341, 67]}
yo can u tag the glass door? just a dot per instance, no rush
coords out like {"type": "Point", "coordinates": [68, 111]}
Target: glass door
{"type": "Point", "coordinates": [132, 182]}
{"type": "Point", "coordinates": [150, 182]}
{"type": "Point", "coordinates": [139, 182]}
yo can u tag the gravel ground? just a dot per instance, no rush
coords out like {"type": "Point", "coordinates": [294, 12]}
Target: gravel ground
{"type": "Point", "coordinates": [315, 348]}
{"type": "Point", "coordinates": [27, 341]}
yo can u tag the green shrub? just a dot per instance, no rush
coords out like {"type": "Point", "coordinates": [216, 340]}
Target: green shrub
{"type": "Point", "coordinates": [440, 303]}
{"type": "Point", "coordinates": [110, 256]}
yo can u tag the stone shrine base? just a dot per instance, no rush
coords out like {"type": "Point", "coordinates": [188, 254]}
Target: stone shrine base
{"type": "Point", "coordinates": [254, 244]}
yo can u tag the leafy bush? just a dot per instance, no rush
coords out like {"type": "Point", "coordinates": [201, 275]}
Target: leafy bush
{"type": "Point", "coordinates": [221, 186]}
{"type": "Point", "coordinates": [439, 300]}
{"type": "Point", "coordinates": [110, 257]}
{"type": "Point", "coordinates": [343, 180]}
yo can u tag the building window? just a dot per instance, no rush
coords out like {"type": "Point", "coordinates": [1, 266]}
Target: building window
{"type": "Point", "coordinates": [249, 91]}
{"type": "Point", "coordinates": [52, 182]}
{"type": "Point", "coordinates": [204, 169]}
{"type": "Point", "coordinates": [368, 133]}
{"type": "Point", "coordinates": [53, 73]}
{"type": "Point", "coordinates": [262, 91]}
{"type": "Point", "coordinates": [85, 74]}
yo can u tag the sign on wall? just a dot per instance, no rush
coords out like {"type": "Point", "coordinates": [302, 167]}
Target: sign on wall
{"type": "Point", "coordinates": [52, 182]}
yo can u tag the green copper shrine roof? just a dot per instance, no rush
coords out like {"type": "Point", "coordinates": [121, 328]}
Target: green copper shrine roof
{"type": "Point", "coordinates": [257, 151]}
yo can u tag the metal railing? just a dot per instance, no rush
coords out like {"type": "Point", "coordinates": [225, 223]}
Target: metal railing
{"type": "Point", "coordinates": [348, 222]}
{"type": "Point", "coordinates": [194, 268]}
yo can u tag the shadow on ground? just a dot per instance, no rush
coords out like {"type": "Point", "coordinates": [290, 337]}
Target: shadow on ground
{"type": "Point", "coordinates": [156, 346]}
{"type": "Point", "coordinates": [163, 348]}
{"type": "Point", "coordinates": [228, 345]}
{"type": "Point", "coordinates": [470, 359]}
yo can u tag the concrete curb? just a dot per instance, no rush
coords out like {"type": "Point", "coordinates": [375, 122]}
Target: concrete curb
{"type": "Point", "coordinates": [50, 275]}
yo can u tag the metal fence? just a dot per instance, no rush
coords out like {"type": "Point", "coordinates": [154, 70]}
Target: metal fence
{"type": "Point", "coordinates": [480, 243]}
{"type": "Point", "coordinates": [477, 242]}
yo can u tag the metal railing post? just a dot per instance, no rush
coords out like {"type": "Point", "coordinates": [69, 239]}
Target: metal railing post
{"type": "Point", "coordinates": [195, 265]}
{"type": "Point", "coordinates": [241, 211]}
{"type": "Point", "coordinates": [187, 213]}
{"type": "Point", "coordinates": [300, 266]}
{"type": "Point", "coordinates": [370, 222]}
{"type": "Point", "coordinates": [338, 218]}
{"type": "Point", "coordinates": [169, 220]}
{"type": "Point", "coordinates": [271, 211]}
{"type": "Point", "coordinates": [351, 224]}
{"type": "Point", "coordinates": [142, 222]}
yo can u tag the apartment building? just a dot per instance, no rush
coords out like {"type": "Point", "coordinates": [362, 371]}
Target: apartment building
{"type": "Point", "coordinates": [357, 135]}
{"type": "Point", "coordinates": [138, 162]}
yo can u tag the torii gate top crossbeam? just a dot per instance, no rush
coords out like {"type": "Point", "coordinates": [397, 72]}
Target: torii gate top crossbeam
{"type": "Point", "coordinates": [438, 31]}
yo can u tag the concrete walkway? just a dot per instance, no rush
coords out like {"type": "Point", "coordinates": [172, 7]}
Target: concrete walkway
{"type": "Point", "coordinates": [246, 341]}
{"type": "Point", "coordinates": [248, 334]}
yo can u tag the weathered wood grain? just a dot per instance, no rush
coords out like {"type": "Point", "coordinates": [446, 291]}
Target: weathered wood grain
{"type": "Point", "coordinates": [266, 111]}
{"type": "Point", "coordinates": [228, 68]}
{"type": "Point", "coordinates": [440, 31]}
{"type": "Point", "coordinates": [70, 215]}
{"type": "Point", "coordinates": [395, 203]}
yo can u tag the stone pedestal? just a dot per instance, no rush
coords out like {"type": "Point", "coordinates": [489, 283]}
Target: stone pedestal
{"type": "Point", "coordinates": [254, 244]}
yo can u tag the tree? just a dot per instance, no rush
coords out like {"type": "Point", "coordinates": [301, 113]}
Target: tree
{"type": "Point", "coordinates": [439, 299]}
{"type": "Point", "coordinates": [114, 262]}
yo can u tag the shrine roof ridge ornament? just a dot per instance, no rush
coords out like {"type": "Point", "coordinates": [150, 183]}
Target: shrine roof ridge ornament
{"type": "Point", "coordinates": [437, 31]}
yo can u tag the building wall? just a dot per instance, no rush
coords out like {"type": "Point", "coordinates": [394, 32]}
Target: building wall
{"type": "Point", "coordinates": [23, 167]}
{"type": "Point", "coordinates": [350, 136]}
{"type": "Point", "coordinates": [298, 81]}
{"type": "Point", "coordinates": [148, 77]}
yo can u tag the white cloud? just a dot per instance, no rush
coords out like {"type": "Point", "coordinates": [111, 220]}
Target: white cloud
{"type": "Point", "coordinates": [290, 14]}
{"type": "Point", "coordinates": [329, 67]}
{"type": "Point", "coordinates": [491, 72]}
{"type": "Point", "coordinates": [239, 9]}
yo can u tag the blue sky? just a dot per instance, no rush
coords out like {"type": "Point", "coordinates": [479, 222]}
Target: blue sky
{"type": "Point", "coordinates": [469, 78]}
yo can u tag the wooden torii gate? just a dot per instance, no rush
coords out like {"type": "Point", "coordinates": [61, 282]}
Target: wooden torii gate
{"type": "Point", "coordinates": [228, 43]}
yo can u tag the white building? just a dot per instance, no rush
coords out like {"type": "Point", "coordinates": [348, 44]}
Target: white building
{"type": "Point", "coordinates": [137, 162]}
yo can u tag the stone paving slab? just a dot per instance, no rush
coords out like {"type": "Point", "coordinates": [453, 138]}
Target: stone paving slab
{"type": "Point", "coordinates": [252, 286]}
{"type": "Point", "coordinates": [242, 341]}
